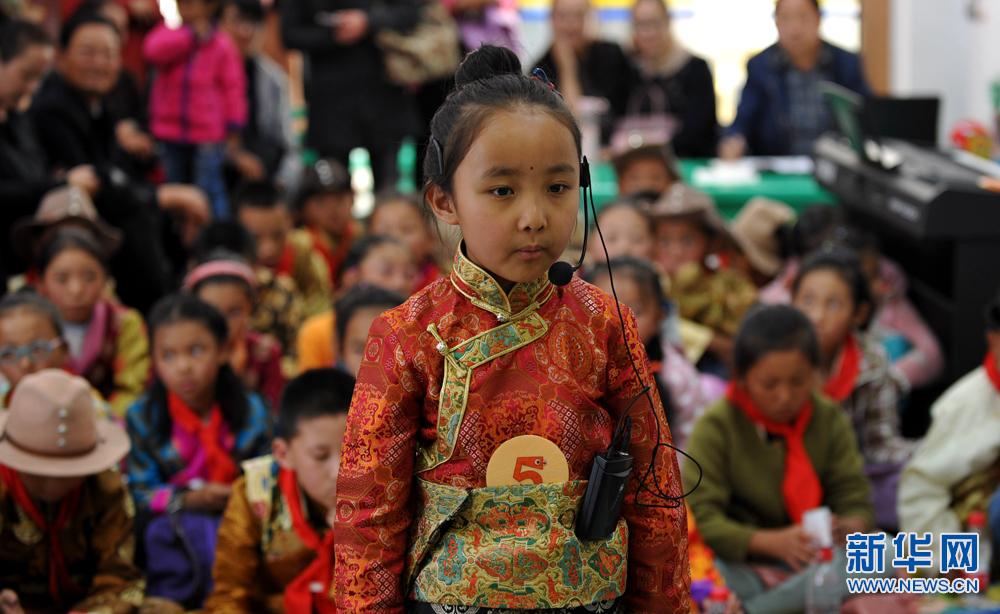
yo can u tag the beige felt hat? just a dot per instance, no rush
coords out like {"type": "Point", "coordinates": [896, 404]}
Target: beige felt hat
{"type": "Point", "coordinates": [51, 429]}
{"type": "Point", "coordinates": [681, 200]}
{"type": "Point", "coordinates": [754, 231]}
{"type": "Point", "coordinates": [62, 205]}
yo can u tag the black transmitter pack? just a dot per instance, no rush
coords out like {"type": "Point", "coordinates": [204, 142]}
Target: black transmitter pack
{"type": "Point", "coordinates": [602, 503]}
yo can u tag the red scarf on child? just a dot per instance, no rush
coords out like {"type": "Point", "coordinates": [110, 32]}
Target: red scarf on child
{"type": "Point", "coordinates": [840, 384]}
{"type": "Point", "coordinates": [990, 364]}
{"type": "Point", "coordinates": [800, 487]}
{"type": "Point", "coordinates": [286, 264]}
{"type": "Point", "coordinates": [333, 256]}
{"type": "Point", "coordinates": [59, 580]}
{"type": "Point", "coordinates": [221, 468]}
{"type": "Point", "coordinates": [299, 596]}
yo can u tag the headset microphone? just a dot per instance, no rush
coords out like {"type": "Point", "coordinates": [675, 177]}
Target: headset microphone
{"type": "Point", "coordinates": [561, 272]}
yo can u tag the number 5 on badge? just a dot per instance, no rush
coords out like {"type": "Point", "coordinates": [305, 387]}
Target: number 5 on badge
{"type": "Point", "coordinates": [527, 459]}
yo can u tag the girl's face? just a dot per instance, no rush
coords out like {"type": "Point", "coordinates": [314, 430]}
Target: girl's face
{"type": "Point", "coordinates": [232, 301]}
{"type": "Point", "coordinates": [352, 346]}
{"type": "Point", "coordinates": [74, 281]}
{"type": "Point", "coordinates": [33, 336]}
{"type": "Point", "coordinates": [330, 213]}
{"type": "Point", "coordinates": [515, 195]}
{"type": "Point", "coordinates": [779, 384]}
{"type": "Point", "coordinates": [391, 267]}
{"type": "Point", "coordinates": [20, 75]}
{"type": "Point", "coordinates": [401, 221]}
{"type": "Point", "coordinates": [646, 309]}
{"type": "Point", "coordinates": [626, 233]}
{"type": "Point", "coordinates": [679, 242]}
{"type": "Point", "coordinates": [651, 27]}
{"type": "Point", "coordinates": [826, 300]}
{"type": "Point", "coordinates": [187, 358]}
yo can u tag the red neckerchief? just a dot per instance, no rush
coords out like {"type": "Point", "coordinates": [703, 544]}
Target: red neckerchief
{"type": "Point", "coordinates": [840, 384]}
{"type": "Point", "coordinates": [299, 596]}
{"type": "Point", "coordinates": [59, 581]}
{"type": "Point", "coordinates": [801, 488]}
{"type": "Point", "coordinates": [990, 364]}
{"type": "Point", "coordinates": [286, 264]}
{"type": "Point", "coordinates": [220, 466]}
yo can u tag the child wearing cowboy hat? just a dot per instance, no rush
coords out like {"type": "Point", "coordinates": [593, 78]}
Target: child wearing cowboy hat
{"type": "Point", "coordinates": [690, 235]}
{"type": "Point", "coordinates": [66, 518]}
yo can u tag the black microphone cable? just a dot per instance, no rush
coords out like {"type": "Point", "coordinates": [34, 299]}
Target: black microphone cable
{"type": "Point", "coordinates": [656, 492]}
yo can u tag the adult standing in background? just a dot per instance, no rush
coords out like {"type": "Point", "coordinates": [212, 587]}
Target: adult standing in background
{"type": "Point", "coordinates": [668, 72]}
{"type": "Point", "coordinates": [580, 65]}
{"type": "Point", "coordinates": [351, 102]}
{"type": "Point", "coordinates": [781, 110]}
{"type": "Point", "coordinates": [268, 146]}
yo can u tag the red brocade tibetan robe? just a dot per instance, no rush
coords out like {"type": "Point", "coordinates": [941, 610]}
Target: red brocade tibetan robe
{"type": "Point", "coordinates": [540, 360]}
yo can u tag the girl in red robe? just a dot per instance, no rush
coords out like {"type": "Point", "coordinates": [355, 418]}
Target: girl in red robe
{"type": "Point", "coordinates": [435, 513]}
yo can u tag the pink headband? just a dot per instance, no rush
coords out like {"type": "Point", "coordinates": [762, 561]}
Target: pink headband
{"type": "Point", "coordinates": [219, 268]}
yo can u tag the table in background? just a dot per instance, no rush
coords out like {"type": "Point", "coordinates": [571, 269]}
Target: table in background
{"type": "Point", "coordinates": [796, 190]}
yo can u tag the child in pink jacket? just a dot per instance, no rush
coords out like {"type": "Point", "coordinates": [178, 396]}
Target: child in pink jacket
{"type": "Point", "coordinates": [198, 103]}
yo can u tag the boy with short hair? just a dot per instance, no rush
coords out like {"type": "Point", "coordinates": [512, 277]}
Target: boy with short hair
{"type": "Point", "coordinates": [261, 209]}
{"type": "Point", "coordinates": [275, 545]}
{"type": "Point", "coordinates": [66, 518]}
{"type": "Point", "coordinates": [647, 170]}
{"type": "Point", "coordinates": [323, 206]}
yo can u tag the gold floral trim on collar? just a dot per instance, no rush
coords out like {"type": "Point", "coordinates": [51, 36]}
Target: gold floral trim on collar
{"type": "Point", "coordinates": [485, 292]}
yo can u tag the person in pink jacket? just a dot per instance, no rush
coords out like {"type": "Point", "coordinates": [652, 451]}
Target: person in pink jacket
{"type": "Point", "coordinates": [198, 103]}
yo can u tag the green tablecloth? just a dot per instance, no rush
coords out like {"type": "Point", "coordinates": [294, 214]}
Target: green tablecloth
{"type": "Point", "coordinates": [798, 191]}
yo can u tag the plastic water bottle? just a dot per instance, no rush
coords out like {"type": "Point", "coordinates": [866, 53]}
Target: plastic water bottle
{"type": "Point", "coordinates": [977, 524]}
{"type": "Point", "coordinates": [717, 601]}
{"type": "Point", "coordinates": [359, 165]}
{"type": "Point", "coordinates": [823, 593]}
{"type": "Point", "coordinates": [406, 162]}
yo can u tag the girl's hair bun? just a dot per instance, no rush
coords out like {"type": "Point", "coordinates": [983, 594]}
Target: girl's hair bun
{"type": "Point", "coordinates": [486, 62]}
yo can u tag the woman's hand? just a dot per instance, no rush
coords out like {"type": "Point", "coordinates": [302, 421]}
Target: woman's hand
{"type": "Point", "coordinates": [133, 140]}
{"type": "Point", "coordinates": [189, 204]}
{"type": "Point", "coordinates": [248, 165]}
{"type": "Point", "coordinates": [85, 178]}
{"type": "Point", "coordinates": [352, 25]}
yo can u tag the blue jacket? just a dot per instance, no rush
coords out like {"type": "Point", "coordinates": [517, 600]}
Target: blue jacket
{"type": "Point", "coordinates": [152, 461]}
{"type": "Point", "coordinates": [762, 116]}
